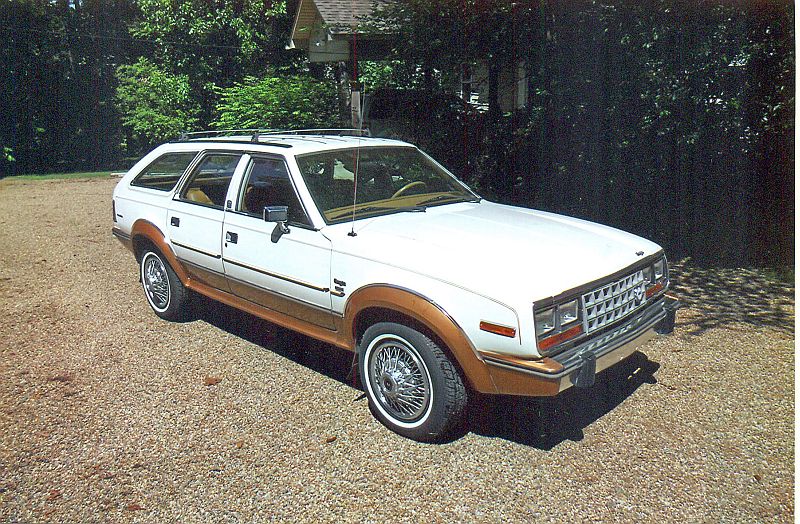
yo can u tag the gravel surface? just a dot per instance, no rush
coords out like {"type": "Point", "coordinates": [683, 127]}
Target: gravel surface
{"type": "Point", "coordinates": [109, 414]}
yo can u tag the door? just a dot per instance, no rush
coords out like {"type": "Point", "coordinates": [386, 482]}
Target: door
{"type": "Point", "coordinates": [196, 215]}
{"type": "Point", "coordinates": [290, 275]}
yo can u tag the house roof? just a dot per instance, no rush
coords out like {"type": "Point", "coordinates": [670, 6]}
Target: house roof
{"type": "Point", "coordinates": [339, 16]}
{"type": "Point", "coordinates": [345, 14]}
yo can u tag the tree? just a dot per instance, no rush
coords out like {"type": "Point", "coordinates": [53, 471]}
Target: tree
{"type": "Point", "coordinates": [660, 117]}
{"type": "Point", "coordinates": [215, 43]}
{"type": "Point", "coordinates": [277, 102]}
{"type": "Point", "coordinates": [57, 75]}
{"type": "Point", "coordinates": [155, 105]}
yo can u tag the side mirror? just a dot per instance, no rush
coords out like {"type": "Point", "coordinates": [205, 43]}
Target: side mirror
{"type": "Point", "coordinates": [278, 214]}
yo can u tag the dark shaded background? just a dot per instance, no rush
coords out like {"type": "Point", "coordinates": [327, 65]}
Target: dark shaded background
{"type": "Point", "coordinates": [670, 119]}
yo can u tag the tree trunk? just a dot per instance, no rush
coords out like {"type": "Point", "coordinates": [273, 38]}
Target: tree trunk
{"type": "Point", "coordinates": [494, 91]}
{"type": "Point", "coordinates": [343, 91]}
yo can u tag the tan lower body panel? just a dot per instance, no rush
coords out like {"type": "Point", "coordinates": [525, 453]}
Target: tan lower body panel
{"type": "Point", "coordinates": [209, 278]}
{"type": "Point", "coordinates": [285, 305]}
{"type": "Point", "coordinates": [331, 336]}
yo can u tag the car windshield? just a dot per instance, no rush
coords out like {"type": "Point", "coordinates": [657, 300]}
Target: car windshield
{"type": "Point", "coordinates": [390, 180]}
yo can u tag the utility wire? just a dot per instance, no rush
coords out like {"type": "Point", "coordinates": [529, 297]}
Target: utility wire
{"type": "Point", "coordinates": [126, 39]}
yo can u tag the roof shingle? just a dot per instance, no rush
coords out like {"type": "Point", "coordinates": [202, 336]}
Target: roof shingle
{"type": "Point", "coordinates": [342, 15]}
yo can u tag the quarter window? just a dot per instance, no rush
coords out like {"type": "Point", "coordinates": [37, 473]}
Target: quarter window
{"type": "Point", "coordinates": [165, 171]}
{"type": "Point", "coordinates": [268, 184]}
{"type": "Point", "coordinates": [208, 184]}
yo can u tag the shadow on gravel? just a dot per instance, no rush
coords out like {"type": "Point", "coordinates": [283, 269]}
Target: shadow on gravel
{"type": "Point", "coordinates": [722, 296]}
{"type": "Point", "coordinates": [545, 422]}
{"type": "Point", "coordinates": [538, 422]}
{"type": "Point", "coordinates": [320, 357]}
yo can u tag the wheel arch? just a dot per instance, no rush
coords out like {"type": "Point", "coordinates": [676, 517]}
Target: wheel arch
{"type": "Point", "coordinates": [386, 302]}
{"type": "Point", "coordinates": [144, 233]}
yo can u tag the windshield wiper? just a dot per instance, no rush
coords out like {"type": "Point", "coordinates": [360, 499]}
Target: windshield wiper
{"type": "Point", "coordinates": [370, 209]}
{"type": "Point", "coordinates": [438, 198]}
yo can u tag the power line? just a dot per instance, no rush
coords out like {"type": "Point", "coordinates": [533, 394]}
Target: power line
{"type": "Point", "coordinates": [129, 39]}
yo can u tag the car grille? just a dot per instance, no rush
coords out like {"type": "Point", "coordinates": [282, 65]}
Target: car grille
{"type": "Point", "coordinates": [613, 301]}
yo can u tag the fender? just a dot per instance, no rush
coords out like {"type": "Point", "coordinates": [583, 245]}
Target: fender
{"type": "Point", "coordinates": [426, 312]}
{"type": "Point", "coordinates": [149, 231]}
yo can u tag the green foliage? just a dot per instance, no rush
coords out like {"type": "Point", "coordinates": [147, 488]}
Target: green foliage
{"type": "Point", "coordinates": [285, 102]}
{"type": "Point", "coordinates": [395, 74]}
{"type": "Point", "coordinates": [57, 80]}
{"type": "Point", "coordinates": [667, 118]}
{"type": "Point", "coordinates": [7, 154]}
{"type": "Point", "coordinates": [210, 44]}
{"type": "Point", "coordinates": [215, 41]}
{"type": "Point", "coordinates": [154, 105]}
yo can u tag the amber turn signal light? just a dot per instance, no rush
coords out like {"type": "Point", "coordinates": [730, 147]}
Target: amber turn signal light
{"type": "Point", "coordinates": [549, 342]}
{"type": "Point", "coordinates": [652, 290]}
{"type": "Point", "coordinates": [497, 329]}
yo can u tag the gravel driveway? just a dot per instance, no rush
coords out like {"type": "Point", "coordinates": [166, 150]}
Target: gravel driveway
{"type": "Point", "coordinates": [109, 414]}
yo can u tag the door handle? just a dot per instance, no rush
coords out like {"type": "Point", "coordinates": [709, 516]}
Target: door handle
{"type": "Point", "coordinates": [175, 221]}
{"type": "Point", "coordinates": [231, 237]}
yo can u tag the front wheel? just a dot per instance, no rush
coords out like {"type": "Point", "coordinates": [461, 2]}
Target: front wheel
{"type": "Point", "coordinates": [412, 387]}
{"type": "Point", "coordinates": [165, 292]}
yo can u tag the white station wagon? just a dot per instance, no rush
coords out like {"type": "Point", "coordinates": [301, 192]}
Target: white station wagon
{"type": "Point", "coordinates": [370, 245]}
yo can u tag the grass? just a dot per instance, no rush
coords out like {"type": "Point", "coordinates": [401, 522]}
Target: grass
{"type": "Point", "coordinates": [62, 176]}
{"type": "Point", "coordinates": [780, 274]}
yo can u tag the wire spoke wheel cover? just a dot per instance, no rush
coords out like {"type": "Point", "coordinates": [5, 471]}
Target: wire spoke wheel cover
{"type": "Point", "coordinates": [412, 386]}
{"type": "Point", "coordinates": [155, 282]}
{"type": "Point", "coordinates": [399, 380]}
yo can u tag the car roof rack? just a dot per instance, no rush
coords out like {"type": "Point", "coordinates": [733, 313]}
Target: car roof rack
{"type": "Point", "coordinates": [256, 134]}
{"type": "Point", "coordinates": [335, 131]}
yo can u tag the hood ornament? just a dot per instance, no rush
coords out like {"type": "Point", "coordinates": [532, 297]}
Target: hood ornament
{"type": "Point", "coordinates": [639, 253]}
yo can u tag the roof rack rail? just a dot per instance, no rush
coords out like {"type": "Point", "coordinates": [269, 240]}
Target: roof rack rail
{"type": "Point", "coordinates": [220, 133]}
{"type": "Point", "coordinates": [255, 134]}
{"type": "Point", "coordinates": [344, 131]}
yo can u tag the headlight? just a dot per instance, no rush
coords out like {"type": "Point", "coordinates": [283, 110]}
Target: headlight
{"type": "Point", "coordinates": [558, 324]}
{"type": "Point", "coordinates": [568, 313]}
{"type": "Point", "coordinates": [658, 268]}
{"type": "Point", "coordinates": [545, 321]}
{"type": "Point", "coordinates": [656, 277]}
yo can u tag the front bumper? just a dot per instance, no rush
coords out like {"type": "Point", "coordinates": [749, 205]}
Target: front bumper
{"type": "Point", "coordinates": [578, 366]}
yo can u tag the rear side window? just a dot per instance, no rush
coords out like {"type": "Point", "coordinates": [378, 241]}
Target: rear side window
{"type": "Point", "coordinates": [209, 183]}
{"type": "Point", "coordinates": [164, 172]}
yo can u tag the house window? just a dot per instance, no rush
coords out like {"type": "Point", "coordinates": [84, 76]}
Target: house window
{"type": "Point", "coordinates": [468, 93]}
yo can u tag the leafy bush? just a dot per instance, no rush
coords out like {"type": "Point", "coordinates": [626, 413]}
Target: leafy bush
{"type": "Point", "coordinates": [287, 102]}
{"type": "Point", "coordinates": [154, 105]}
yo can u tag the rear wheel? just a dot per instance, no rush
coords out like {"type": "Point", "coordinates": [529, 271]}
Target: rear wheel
{"type": "Point", "coordinates": [163, 289]}
{"type": "Point", "coordinates": [412, 386]}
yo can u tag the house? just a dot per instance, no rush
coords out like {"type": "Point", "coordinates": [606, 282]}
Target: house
{"type": "Point", "coordinates": [327, 30]}
{"type": "Point", "coordinates": [330, 31]}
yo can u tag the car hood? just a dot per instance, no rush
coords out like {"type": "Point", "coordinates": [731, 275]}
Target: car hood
{"type": "Point", "coordinates": [503, 252]}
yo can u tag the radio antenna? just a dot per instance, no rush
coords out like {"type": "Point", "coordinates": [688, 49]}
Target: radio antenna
{"type": "Point", "coordinates": [357, 152]}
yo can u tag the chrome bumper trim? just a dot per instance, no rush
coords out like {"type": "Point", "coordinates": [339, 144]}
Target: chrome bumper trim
{"type": "Point", "coordinates": [607, 349]}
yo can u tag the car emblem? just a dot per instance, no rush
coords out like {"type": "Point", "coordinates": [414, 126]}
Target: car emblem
{"type": "Point", "coordinates": [638, 294]}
